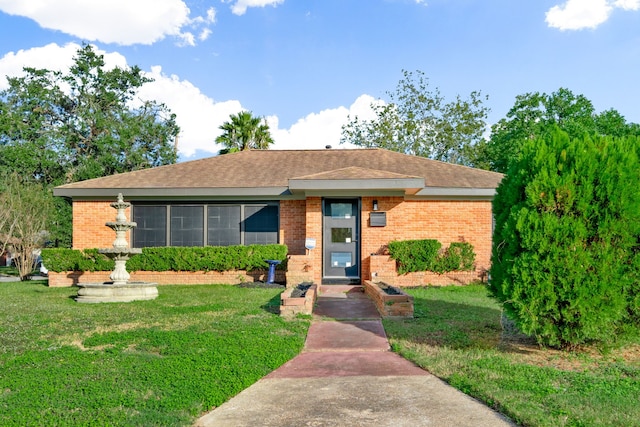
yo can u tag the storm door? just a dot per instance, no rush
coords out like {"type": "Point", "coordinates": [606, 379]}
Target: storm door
{"type": "Point", "coordinates": [341, 257]}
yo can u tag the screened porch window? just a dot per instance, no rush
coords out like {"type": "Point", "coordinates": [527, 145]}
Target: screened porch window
{"type": "Point", "coordinates": [224, 225]}
{"type": "Point", "coordinates": [260, 225]}
{"type": "Point", "coordinates": [187, 225]}
{"type": "Point", "coordinates": [205, 224]}
{"type": "Point", "coordinates": [152, 226]}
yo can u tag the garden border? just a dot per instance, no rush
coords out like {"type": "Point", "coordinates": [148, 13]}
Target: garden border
{"type": "Point", "coordinates": [232, 277]}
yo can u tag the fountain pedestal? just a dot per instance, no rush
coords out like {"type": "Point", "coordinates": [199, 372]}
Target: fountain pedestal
{"type": "Point", "coordinates": [119, 289]}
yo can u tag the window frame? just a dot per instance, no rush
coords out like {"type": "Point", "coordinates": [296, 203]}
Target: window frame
{"type": "Point", "coordinates": [166, 221]}
{"type": "Point", "coordinates": [202, 223]}
{"type": "Point", "coordinates": [215, 205]}
{"type": "Point", "coordinates": [205, 206]}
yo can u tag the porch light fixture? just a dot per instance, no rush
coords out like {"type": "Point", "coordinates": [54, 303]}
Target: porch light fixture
{"type": "Point", "coordinates": [375, 205]}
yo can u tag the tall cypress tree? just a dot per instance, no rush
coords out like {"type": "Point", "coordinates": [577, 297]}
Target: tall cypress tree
{"type": "Point", "coordinates": [564, 260]}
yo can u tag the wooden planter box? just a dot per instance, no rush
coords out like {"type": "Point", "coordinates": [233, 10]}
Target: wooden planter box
{"type": "Point", "coordinates": [290, 307]}
{"type": "Point", "coordinates": [389, 305]}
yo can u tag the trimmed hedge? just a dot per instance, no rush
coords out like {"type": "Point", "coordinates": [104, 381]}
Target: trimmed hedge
{"type": "Point", "coordinates": [58, 260]}
{"type": "Point", "coordinates": [207, 258]}
{"type": "Point", "coordinates": [426, 255]}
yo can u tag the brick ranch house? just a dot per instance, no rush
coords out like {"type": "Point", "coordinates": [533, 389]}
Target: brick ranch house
{"type": "Point", "coordinates": [346, 204]}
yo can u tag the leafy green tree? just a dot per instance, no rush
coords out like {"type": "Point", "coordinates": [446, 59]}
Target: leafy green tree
{"type": "Point", "coordinates": [566, 248]}
{"type": "Point", "coordinates": [57, 128]}
{"type": "Point", "coordinates": [244, 132]}
{"type": "Point", "coordinates": [26, 208]}
{"type": "Point", "coordinates": [536, 114]}
{"type": "Point", "coordinates": [420, 122]}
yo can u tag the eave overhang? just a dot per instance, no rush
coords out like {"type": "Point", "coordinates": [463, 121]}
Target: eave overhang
{"type": "Point", "coordinates": [456, 192]}
{"type": "Point", "coordinates": [181, 192]}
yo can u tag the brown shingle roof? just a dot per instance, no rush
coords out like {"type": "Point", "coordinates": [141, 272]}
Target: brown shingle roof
{"type": "Point", "coordinates": [355, 172]}
{"type": "Point", "coordinates": [274, 168]}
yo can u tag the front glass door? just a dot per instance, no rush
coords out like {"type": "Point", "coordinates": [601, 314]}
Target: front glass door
{"type": "Point", "coordinates": [341, 238]}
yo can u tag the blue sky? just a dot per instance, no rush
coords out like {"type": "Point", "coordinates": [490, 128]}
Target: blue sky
{"type": "Point", "coordinates": [305, 65]}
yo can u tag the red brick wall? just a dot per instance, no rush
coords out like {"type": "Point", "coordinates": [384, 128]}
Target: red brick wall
{"type": "Point", "coordinates": [384, 269]}
{"type": "Point", "coordinates": [292, 225]}
{"type": "Point", "coordinates": [389, 305]}
{"type": "Point", "coordinates": [314, 230]}
{"type": "Point", "coordinates": [72, 278]}
{"type": "Point", "coordinates": [446, 221]}
{"type": "Point", "coordinates": [290, 307]}
{"type": "Point", "coordinates": [89, 230]}
{"type": "Point", "coordinates": [299, 270]}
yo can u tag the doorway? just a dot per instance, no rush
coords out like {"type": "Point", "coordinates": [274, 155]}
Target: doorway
{"type": "Point", "coordinates": [341, 239]}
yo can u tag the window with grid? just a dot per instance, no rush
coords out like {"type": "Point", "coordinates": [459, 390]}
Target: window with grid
{"type": "Point", "coordinates": [260, 225]}
{"type": "Point", "coordinates": [210, 224]}
{"type": "Point", "coordinates": [223, 225]}
{"type": "Point", "coordinates": [151, 227]}
{"type": "Point", "coordinates": [187, 225]}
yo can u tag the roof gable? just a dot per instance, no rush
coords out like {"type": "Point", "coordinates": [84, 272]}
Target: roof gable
{"type": "Point", "coordinates": [357, 179]}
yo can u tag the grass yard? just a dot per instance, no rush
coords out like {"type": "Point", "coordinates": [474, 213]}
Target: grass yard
{"type": "Point", "coordinates": [457, 336]}
{"type": "Point", "coordinates": [145, 363]}
{"type": "Point", "coordinates": [8, 271]}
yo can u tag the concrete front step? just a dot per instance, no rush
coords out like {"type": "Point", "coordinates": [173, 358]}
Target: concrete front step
{"type": "Point", "coordinates": [344, 303]}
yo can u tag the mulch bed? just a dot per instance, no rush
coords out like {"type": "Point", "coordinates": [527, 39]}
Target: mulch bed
{"type": "Point", "coordinates": [301, 290]}
{"type": "Point", "coordinates": [389, 290]}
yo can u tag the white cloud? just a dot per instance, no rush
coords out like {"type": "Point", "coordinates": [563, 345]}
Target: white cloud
{"type": "Point", "coordinates": [317, 130]}
{"type": "Point", "coordinates": [580, 14]}
{"type": "Point", "coordinates": [186, 39]}
{"type": "Point", "coordinates": [122, 22]}
{"type": "Point", "coordinates": [204, 34]}
{"type": "Point", "coordinates": [628, 4]}
{"type": "Point", "coordinates": [198, 115]}
{"type": "Point", "coordinates": [240, 6]}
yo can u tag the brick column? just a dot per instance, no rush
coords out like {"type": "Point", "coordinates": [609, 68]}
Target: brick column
{"type": "Point", "coordinates": [314, 231]}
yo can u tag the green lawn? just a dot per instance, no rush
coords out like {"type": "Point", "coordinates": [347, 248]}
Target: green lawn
{"type": "Point", "coordinates": [457, 337]}
{"type": "Point", "coordinates": [8, 271]}
{"type": "Point", "coordinates": [145, 363]}
{"type": "Point", "coordinates": [165, 362]}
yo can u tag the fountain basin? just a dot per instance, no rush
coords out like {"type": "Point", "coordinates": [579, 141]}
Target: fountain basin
{"type": "Point", "coordinates": [110, 292]}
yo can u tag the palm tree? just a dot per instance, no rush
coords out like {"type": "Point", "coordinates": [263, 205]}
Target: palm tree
{"type": "Point", "coordinates": [244, 132]}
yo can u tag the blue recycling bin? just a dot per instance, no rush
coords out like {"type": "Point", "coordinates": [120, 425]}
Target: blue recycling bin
{"type": "Point", "coordinates": [271, 277]}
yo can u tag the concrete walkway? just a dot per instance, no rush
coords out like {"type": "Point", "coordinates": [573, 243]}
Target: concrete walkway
{"type": "Point", "coordinates": [6, 278]}
{"type": "Point", "coordinates": [346, 376]}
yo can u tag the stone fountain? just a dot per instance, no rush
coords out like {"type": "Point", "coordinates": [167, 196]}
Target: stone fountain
{"type": "Point", "coordinates": [119, 289]}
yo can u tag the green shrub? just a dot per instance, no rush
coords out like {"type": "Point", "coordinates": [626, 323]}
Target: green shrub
{"type": "Point", "coordinates": [59, 259]}
{"type": "Point", "coordinates": [565, 247]}
{"type": "Point", "coordinates": [207, 258]}
{"type": "Point", "coordinates": [426, 255]}
{"type": "Point", "coordinates": [414, 255]}
{"type": "Point", "coordinates": [459, 256]}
